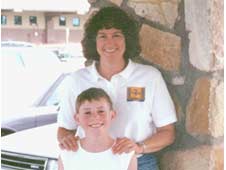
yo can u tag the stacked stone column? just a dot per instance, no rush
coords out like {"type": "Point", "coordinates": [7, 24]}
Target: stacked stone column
{"type": "Point", "coordinates": [184, 40]}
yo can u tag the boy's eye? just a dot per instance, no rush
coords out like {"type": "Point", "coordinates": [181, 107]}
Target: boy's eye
{"type": "Point", "coordinates": [101, 111]}
{"type": "Point", "coordinates": [87, 113]}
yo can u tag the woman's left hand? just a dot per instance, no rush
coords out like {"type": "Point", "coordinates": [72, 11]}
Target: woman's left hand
{"type": "Point", "coordinates": [124, 145]}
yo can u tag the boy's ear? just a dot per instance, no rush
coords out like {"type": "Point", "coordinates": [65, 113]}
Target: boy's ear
{"type": "Point", "coordinates": [76, 118]}
{"type": "Point", "coordinates": [113, 114]}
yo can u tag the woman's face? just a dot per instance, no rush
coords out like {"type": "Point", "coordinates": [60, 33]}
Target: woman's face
{"type": "Point", "coordinates": [110, 44]}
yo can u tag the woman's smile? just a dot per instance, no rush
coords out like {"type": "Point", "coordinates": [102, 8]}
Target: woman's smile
{"type": "Point", "coordinates": [110, 50]}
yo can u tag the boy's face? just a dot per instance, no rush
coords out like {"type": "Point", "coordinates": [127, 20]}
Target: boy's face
{"type": "Point", "coordinates": [95, 116]}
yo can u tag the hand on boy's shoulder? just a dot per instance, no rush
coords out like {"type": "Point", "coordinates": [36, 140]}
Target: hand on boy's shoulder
{"type": "Point", "coordinates": [123, 145]}
{"type": "Point", "coordinates": [69, 142]}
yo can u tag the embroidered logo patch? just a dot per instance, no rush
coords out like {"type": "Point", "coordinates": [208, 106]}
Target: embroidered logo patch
{"type": "Point", "coordinates": [135, 94]}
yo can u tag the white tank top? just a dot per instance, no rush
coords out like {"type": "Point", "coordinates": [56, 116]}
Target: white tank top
{"type": "Point", "coordinates": [84, 160]}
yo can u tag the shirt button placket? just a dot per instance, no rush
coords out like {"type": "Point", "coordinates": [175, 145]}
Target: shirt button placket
{"type": "Point", "coordinates": [113, 87]}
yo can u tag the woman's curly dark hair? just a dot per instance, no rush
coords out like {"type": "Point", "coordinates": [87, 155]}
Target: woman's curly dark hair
{"type": "Point", "coordinates": [106, 18]}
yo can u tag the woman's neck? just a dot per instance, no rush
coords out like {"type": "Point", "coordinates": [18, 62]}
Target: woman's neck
{"type": "Point", "coordinates": [96, 144]}
{"type": "Point", "coordinates": [107, 70]}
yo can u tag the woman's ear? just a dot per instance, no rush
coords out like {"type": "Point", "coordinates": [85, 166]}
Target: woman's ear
{"type": "Point", "coordinates": [76, 118]}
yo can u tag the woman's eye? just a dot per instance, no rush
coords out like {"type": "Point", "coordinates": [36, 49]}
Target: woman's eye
{"type": "Point", "coordinates": [118, 35]}
{"type": "Point", "coordinates": [101, 36]}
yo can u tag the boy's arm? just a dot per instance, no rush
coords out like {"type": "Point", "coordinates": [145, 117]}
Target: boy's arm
{"type": "Point", "coordinates": [60, 164]}
{"type": "Point", "coordinates": [133, 163]}
{"type": "Point", "coordinates": [67, 139]}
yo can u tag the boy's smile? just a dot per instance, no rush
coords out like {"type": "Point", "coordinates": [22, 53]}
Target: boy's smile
{"type": "Point", "coordinates": [96, 125]}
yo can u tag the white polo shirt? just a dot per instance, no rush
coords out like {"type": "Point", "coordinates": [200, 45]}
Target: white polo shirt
{"type": "Point", "coordinates": [139, 95]}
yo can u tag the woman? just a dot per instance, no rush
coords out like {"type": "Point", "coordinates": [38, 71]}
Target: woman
{"type": "Point", "coordinates": [146, 114]}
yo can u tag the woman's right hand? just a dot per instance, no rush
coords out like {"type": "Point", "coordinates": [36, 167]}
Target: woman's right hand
{"type": "Point", "coordinates": [67, 139]}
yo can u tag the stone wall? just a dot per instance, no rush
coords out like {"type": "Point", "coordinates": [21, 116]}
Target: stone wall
{"type": "Point", "coordinates": [184, 40]}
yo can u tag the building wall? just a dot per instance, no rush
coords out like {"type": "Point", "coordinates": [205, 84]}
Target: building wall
{"type": "Point", "coordinates": [25, 20]}
{"type": "Point", "coordinates": [47, 29]}
{"type": "Point", "coordinates": [26, 31]}
{"type": "Point", "coordinates": [67, 33]}
{"type": "Point", "coordinates": [69, 18]}
{"type": "Point", "coordinates": [36, 36]}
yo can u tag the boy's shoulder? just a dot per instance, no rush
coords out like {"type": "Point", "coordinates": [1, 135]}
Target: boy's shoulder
{"type": "Point", "coordinates": [67, 154]}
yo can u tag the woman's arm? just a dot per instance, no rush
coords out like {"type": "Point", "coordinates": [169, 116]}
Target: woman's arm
{"type": "Point", "coordinates": [67, 139]}
{"type": "Point", "coordinates": [163, 137]}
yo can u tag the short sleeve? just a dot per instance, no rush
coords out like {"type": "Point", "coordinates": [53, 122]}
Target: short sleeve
{"type": "Point", "coordinates": [66, 113]}
{"type": "Point", "coordinates": [163, 111]}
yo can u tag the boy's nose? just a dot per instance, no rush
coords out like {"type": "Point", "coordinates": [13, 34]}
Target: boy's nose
{"type": "Point", "coordinates": [95, 115]}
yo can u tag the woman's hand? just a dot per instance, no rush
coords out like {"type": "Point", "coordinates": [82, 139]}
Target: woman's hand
{"type": "Point", "coordinates": [67, 139]}
{"type": "Point", "coordinates": [125, 145]}
{"type": "Point", "coordinates": [69, 142]}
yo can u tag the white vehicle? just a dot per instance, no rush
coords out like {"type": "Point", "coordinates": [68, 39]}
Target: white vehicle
{"type": "Point", "coordinates": [70, 55]}
{"type": "Point", "coordinates": [16, 44]}
{"type": "Point", "coordinates": [34, 86]}
{"type": "Point", "coordinates": [29, 80]}
{"type": "Point", "coordinates": [30, 91]}
{"type": "Point", "coordinates": [32, 149]}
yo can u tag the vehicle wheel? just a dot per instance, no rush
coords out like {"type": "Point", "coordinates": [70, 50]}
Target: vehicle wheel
{"type": "Point", "coordinates": [5, 131]}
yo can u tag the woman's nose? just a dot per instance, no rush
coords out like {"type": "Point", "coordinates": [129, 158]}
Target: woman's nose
{"type": "Point", "coordinates": [109, 40]}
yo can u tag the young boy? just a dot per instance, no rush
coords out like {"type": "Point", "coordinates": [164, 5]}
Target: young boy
{"type": "Point", "coordinates": [94, 115]}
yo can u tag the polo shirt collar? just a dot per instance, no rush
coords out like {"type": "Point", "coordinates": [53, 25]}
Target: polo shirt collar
{"type": "Point", "coordinates": [124, 73]}
{"type": "Point", "coordinates": [93, 71]}
{"type": "Point", "coordinates": [128, 70]}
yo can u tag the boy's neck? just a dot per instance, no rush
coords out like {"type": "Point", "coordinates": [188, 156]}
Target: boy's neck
{"type": "Point", "coordinates": [97, 144]}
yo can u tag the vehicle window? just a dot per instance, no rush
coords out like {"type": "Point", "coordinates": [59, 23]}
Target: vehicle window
{"type": "Point", "coordinates": [40, 58]}
{"type": "Point", "coordinates": [54, 98]}
{"type": "Point", "coordinates": [12, 59]}
{"type": "Point", "coordinates": [28, 75]}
